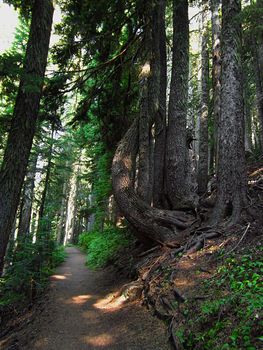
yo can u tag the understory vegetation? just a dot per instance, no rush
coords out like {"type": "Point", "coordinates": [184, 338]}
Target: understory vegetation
{"type": "Point", "coordinates": [27, 276]}
{"type": "Point", "coordinates": [104, 247]}
{"type": "Point", "coordinates": [228, 313]}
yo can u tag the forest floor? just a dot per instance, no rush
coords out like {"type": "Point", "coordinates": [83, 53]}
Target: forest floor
{"type": "Point", "coordinates": [83, 310]}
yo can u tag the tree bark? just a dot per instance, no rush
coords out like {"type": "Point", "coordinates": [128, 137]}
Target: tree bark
{"type": "Point", "coordinates": [231, 194]}
{"type": "Point", "coordinates": [27, 199]}
{"type": "Point", "coordinates": [160, 117]}
{"type": "Point", "coordinates": [258, 68]}
{"type": "Point", "coordinates": [22, 131]}
{"type": "Point", "coordinates": [176, 145]}
{"type": "Point", "coordinates": [143, 189]}
{"type": "Point", "coordinates": [72, 205]}
{"type": "Point", "coordinates": [42, 225]}
{"type": "Point", "coordinates": [149, 108]}
{"type": "Point", "coordinates": [247, 108]}
{"type": "Point", "coordinates": [216, 71]}
{"type": "Point", "coordinates": [248, 129]}
{"type": "Point", "coordinates": [155, 224]}
{"type": "Point", "coordinates": [202, 177]}
{"type": "Point", "coordinates": [60, 227]}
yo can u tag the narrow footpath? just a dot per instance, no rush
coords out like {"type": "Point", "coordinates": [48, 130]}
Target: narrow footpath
{"type": "Point", "coordinates": [82, 314]}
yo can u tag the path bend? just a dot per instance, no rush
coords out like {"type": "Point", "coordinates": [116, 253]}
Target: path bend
{"type": "Point", "coordinates": [80, 314]}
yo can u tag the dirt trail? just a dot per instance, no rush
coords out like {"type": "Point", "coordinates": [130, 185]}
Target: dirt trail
{"type": "Point", "coordinates": [81, 314]}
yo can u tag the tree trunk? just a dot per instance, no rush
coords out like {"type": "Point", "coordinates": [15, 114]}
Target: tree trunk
{"type": "Point", "coordinates": [247, 114]}
{"type": "Point", "coordinates": [160, 117]}
{"type": "Point", "coordinates": [61, 222]}
{"type": "Point", "coordinates": [143, 189]}
{"type": "Point", "coordinates": [216, 71]}
{"type": "Point", "coordinates": [43, 226]}
{"type": "Point", "coordinates": [258, 64]}
{"type": "Point", "coordinates": [176, 146]}
{"type": "Point", "coordinates": [149, 108]}
{"type": "Point", "coordinates": [92, 219]}
{"type": "Point", "coordinates": [27, 199]}
{"type": "Point", "coordinates": [231, 194]}
{"type": "Point", "coordinates": [258, 57]}
{"type": "Point", "coordinates": [24, 120]}
{"type": "Point", "coordinates": [155, 224]}
{"type": "Point", "coordinates": [72, 206]}
{"type": "Point", "coordinates": [202, 177]}
{"type": "Point", "coordinates": [248, 130]}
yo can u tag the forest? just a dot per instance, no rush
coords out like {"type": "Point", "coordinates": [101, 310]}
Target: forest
{"type": "Point", "coordinates": [131, 134]}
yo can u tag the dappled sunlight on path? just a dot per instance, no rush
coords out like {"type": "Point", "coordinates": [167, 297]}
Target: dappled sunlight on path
{"type": "Point", "coordinates": [82, 313]}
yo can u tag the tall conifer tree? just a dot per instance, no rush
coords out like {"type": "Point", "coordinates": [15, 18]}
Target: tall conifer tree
{"type": "Point", "coordinates": [22, 131]}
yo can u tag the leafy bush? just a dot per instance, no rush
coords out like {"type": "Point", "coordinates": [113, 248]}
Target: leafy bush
{"type": "Point", "coordinates": [58, 256]}
{"type": "Point", "coordinates": [102, 247]}
{"type": "Point", "coordinates": [86, 238]}
{"type": "Point", "coordinates": [28, 273]}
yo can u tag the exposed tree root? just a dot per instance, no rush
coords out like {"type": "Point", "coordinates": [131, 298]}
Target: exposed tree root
{"type": "Point", "coordinates": [166, 300]}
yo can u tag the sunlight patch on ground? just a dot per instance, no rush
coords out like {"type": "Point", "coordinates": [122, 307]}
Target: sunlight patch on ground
{"type": "Point", "coordinates": [80, 299]}
{"type": "Point", "coordinates": [58, 277]}
{"type": "Point", "coordinates": [110, 302]}
{"type": "Point", "coordinates": [101, 340]}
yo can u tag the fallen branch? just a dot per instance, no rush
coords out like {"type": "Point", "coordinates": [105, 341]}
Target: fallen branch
{"type": "Point", "coordinates": [241, 239]}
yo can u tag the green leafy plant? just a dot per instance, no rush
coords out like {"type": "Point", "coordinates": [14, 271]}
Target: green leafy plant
{"type": "Point", "coordinates": [27, 276]}
{"type": "Point", "coordinates": [102, 247]}
{"type": "Point", "coordinates": [230, 318]}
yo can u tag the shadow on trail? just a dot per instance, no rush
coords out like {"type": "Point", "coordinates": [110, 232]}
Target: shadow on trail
{"type": "Point", "coordinates": [82, 313]}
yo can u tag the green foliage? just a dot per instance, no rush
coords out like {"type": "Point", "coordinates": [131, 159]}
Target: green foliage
{"type": "Point", "coordinates": [103, 247]}
{"type": "Point", "coordinates": [11, 62]}
{"type": "Point", "coordinates": [230, 318]}
{"type": "Point", "coordinates": [28, 274]}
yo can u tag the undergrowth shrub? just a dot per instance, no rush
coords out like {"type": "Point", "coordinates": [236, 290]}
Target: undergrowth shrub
{"type": "Point", "coordinates": [231, 318]}
{"type": "Point", "coordinates": [29, 270]}
{"type": "Point", "coordinates": [103, 247]}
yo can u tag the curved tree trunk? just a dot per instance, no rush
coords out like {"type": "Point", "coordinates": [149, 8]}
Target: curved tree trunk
{"type": "Point", "coordinates": [156, 224]}
{"type": "Point", "coordinates": [22, 131]}
{"type": "Point", "coordinates": [231, 195]}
